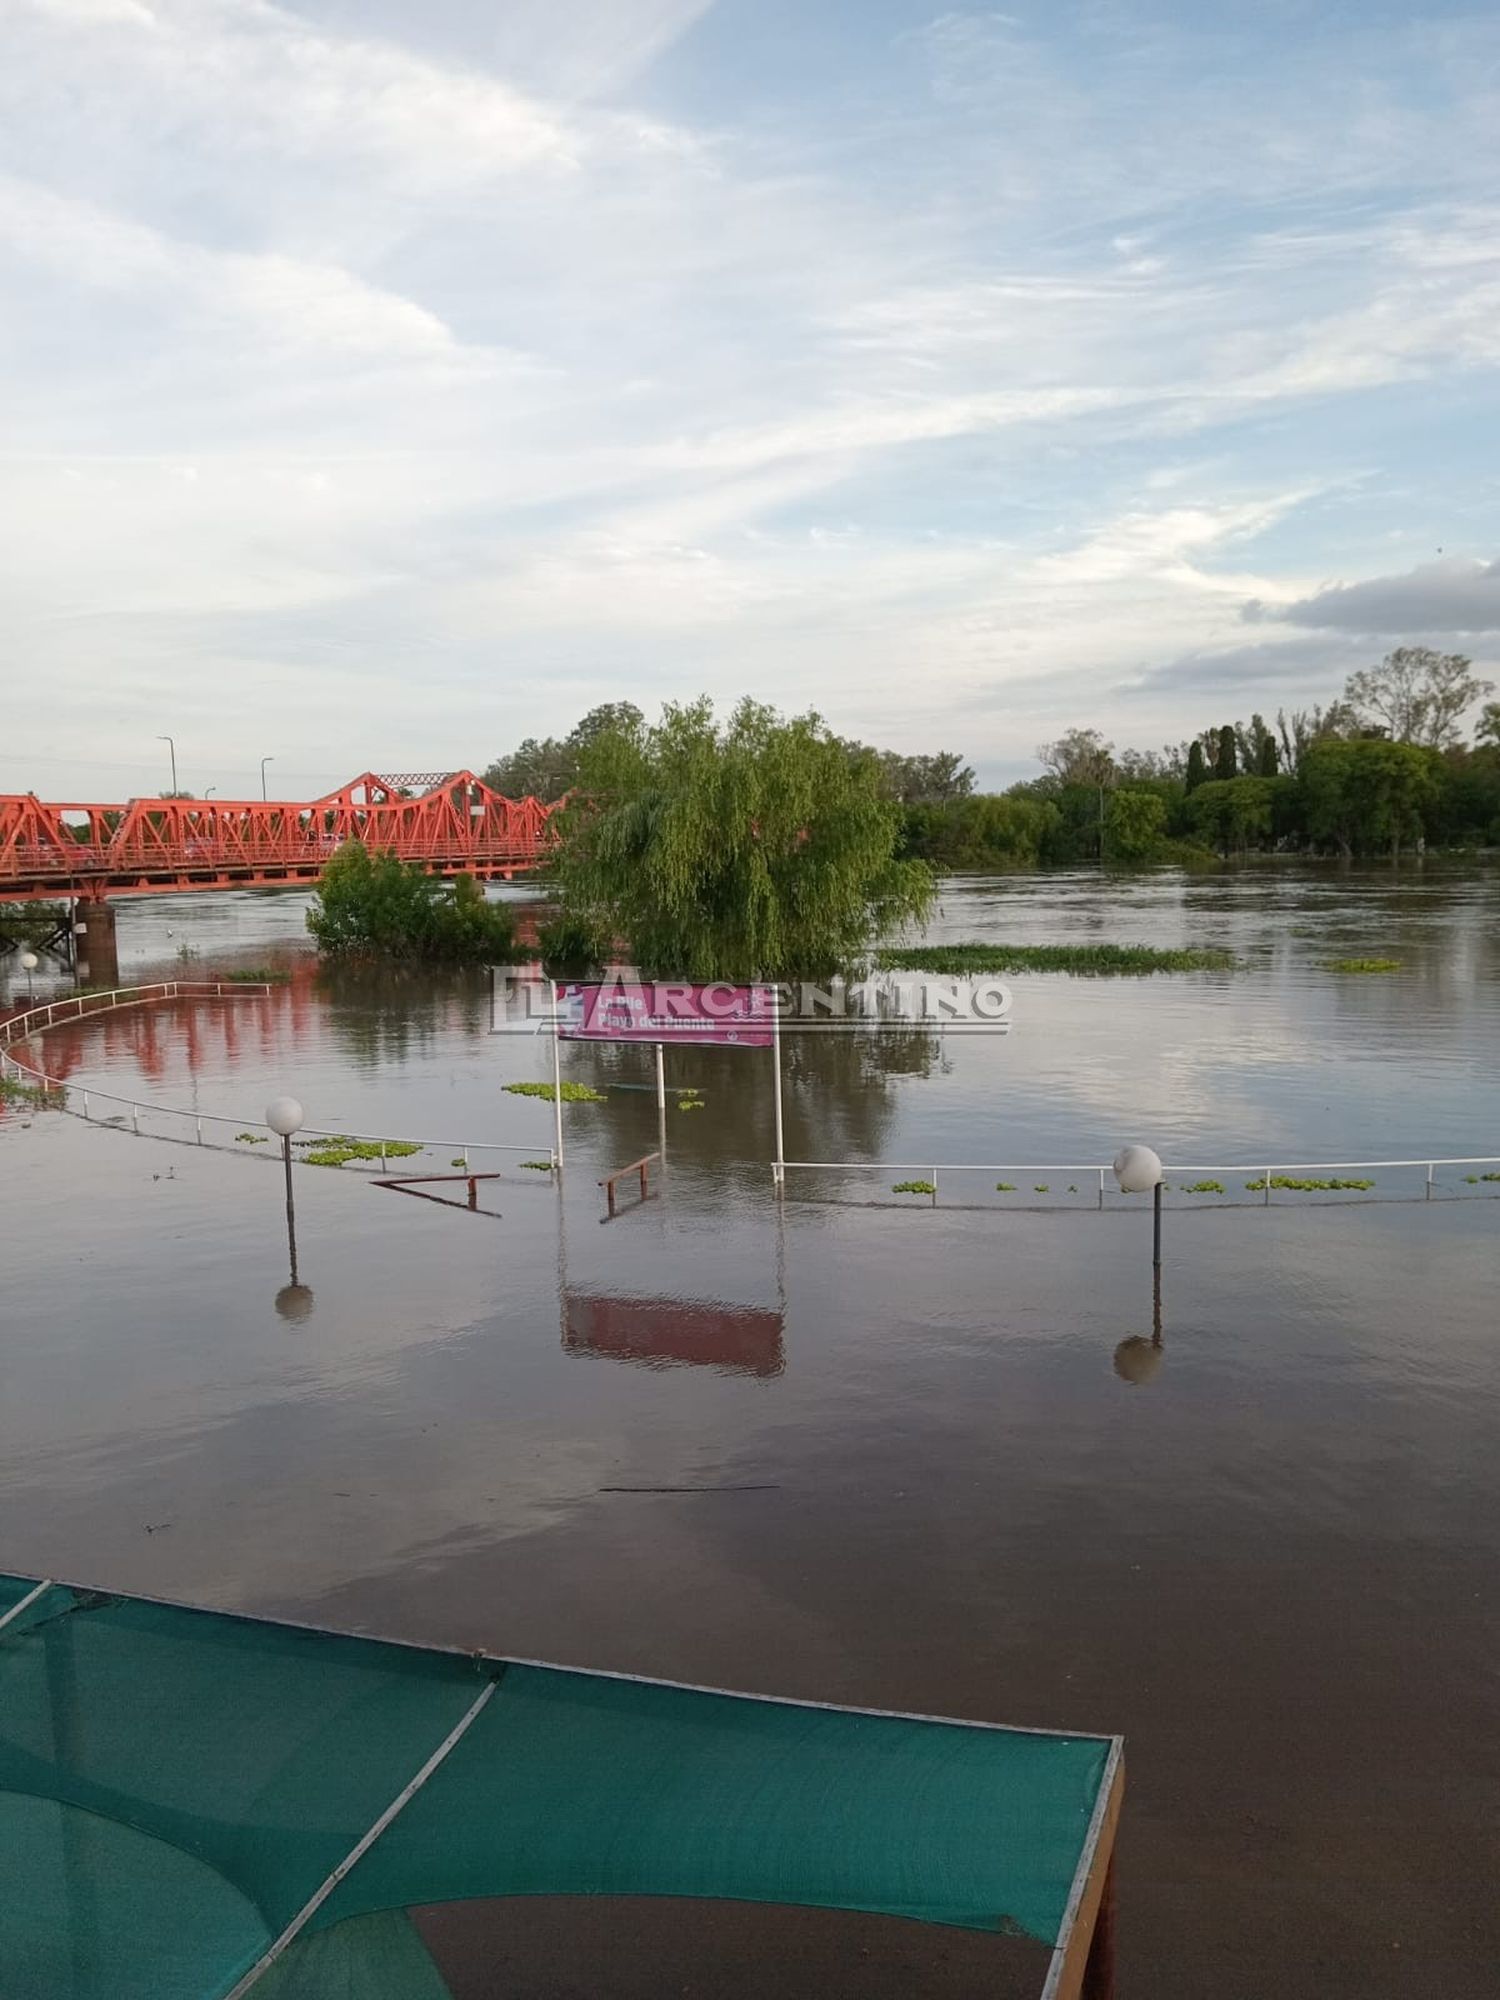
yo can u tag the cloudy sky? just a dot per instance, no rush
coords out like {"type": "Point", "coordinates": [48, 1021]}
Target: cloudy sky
{"type": "Point", "coordinates": [382, 382]}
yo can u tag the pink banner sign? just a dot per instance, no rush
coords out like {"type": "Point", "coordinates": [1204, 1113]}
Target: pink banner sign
{"type": "Point", "coordinates": [631, 1010]}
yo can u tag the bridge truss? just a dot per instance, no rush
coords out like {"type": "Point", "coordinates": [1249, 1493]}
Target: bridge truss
{"type": "Point", "coordinates": [449, 822]}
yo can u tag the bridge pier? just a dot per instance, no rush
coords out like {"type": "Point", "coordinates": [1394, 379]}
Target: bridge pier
{"type": "Point", "coordinates": [94, 932]}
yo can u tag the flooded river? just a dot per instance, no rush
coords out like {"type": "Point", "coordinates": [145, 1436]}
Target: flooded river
{"type": "Point", "coordinates": [852, 1446]}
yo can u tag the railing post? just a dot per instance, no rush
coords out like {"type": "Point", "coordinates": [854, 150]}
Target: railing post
{"type": "Point", "coordinates": [1429, 1181]}
{"type": "Point", "coordinates": [135, 1119]}
{"type": "Point", "coordinates": [382, 1156]}
{"type": "Point", "coordinates": [85, 1104]}
{"type": "Point", "coordinates": [1101, 1187]}
{"type": "Point", "coordinates": [1268, 1188]}
{"type": "Point", "coordinates": [934, 1187]}
{"type": "Point", "coordinates": [199, 1123]}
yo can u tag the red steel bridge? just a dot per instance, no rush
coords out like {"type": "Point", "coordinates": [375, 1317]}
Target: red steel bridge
{"type": "Point", "coordinates": [449, 821]}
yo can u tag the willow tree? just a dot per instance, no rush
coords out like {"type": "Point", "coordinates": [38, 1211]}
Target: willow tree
{"type": "Point", "coordinates": [762, 848]}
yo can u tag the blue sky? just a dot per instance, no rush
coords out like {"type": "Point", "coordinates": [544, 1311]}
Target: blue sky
{"type": "Point", "coordinates": [383, 383]}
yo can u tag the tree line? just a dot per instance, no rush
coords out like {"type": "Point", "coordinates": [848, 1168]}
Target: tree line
{"type": "Point", "coordinates": [1375, 773]}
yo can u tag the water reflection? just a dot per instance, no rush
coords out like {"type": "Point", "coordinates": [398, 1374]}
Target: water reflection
{"type": "Point", "coordinates": [381, 1014]}
{"type": "Point", "coordinates": [1139, 1356]}
{"type": "Point", "coordinates": [294, 1302]}
{"type": "Point", "coordinates": [736, 1340]}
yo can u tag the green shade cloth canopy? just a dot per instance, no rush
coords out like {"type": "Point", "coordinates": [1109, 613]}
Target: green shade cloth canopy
{"type": "Point", "coordinates": [176, 1786]}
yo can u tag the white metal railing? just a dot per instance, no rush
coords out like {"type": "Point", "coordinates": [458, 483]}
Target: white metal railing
{"type": "Point", "coordinates": [1264, 1175]}
{"type": "Point", "coordinates": [82, 1102]}
{"type": "Point", "coordinates": [21, 1027]}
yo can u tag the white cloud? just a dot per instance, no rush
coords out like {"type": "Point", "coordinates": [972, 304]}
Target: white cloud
{"type": "Point", "coordinates": [955, 410]}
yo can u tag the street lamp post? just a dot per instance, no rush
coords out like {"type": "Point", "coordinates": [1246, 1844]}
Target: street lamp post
{"type": "Point", "coordinates": [1138, 1170]}
{"type": "Point", "coordinates": [29, 964]}
{"type": "Point", "coordinates": [284, 1116]}
{"type": "Point", "coordinates": [171, 745]}
{"type": "Point", "coordinates": [263, 763]}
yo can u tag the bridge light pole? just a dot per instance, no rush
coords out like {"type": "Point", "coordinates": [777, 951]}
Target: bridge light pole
{"type": "Point", "coordinates": [263, 763]}
{"type": "Point", "coordinates": [173, 748]}
{"type": "Point", "coordinates": [284, 1116]}
{"type": "Point", "coordinates": [29, 964]}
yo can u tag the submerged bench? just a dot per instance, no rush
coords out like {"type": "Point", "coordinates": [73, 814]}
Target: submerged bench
{"type": "Point", "coordinates": [195, 1806]}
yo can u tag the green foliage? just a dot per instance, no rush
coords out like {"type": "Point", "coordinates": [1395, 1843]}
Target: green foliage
{"type": "Point", "coordinates": [1005, 1187]}
{"type": "Point", "coordinates": [759, 849]}
{"type": "Point", "coordinates": [1474, 1179]}
{"type": "Point", "coordinates": [572, 1093]}
{"type": "Point", "coordinates": [1226, 758]}
{"type": "Point", "coordinates": [1232, 813]}
{"type": "Point", "coordinates": [1268, 763]}
{"type": "Point", "coordinates": [1204, 1187]}
{"type": "Point", "coordinates": [569, 945]}
{"type": "Point", "coordinates": [546, 767]}
{"type": "Point", "coordinates": [691, 1104]}
{"type": "Point", "coordinates": [1297, 1186]}
{"type": "Point", "coordinates": [537, 1166]}
{"type": "Point", "coordinates": [1197, 767]}
{"type": "Point", "coordinates": [933, 781]}
{"type": "Point", "coordinates": [1042, 1187]}
{"type": "Point", "coordinates": [978, 956]}
{"type": "Point", "coordinates": [252, 1139]}
{"type": "Point", "coordinates": [372, 903]}
{"type": "Point", "coordinates": [912, 1187]}
{"type": "Point", "coordinates": [992, 830]}
{"type": "Point", "coordinates": [1134, 822]}
{"type": "Point", "coordinates": [256, 975]}
{"type": "Point", "coordinates": [1366, 795]}
{"type": "Point", "coordinates": [1364, 965]}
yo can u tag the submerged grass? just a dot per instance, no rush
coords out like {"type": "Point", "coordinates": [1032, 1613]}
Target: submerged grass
{"type": "Point", "coordinates": [35, 1096]}
{"type": "Point", "coordinates": [1364, 965]}
{"type": "Point", "coordinates": [1100, 960]}
{"type": "Point", "coordinates": [912, 1187]}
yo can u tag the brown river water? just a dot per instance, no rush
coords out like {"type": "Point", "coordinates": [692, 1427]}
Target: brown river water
{"type": "Point", "coordinates": [850, 1446]}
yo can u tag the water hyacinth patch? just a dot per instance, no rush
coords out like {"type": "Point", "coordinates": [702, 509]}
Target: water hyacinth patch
{"type": "Point", "coordinates": [337, 1151]}
{"type": "Point", "coordinates": [1295, 1185]}
{"type": "Point", "coordinates": [572, 1093]}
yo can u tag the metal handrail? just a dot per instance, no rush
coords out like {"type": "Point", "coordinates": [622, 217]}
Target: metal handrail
{"type": "Point", "coordinates": [21, 1027]}
{"type": "Point", "coordinates": [1093, 1166]}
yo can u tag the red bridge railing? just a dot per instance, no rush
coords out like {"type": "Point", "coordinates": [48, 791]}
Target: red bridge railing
{"type": "Point", "coordinates": [458, 825]}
